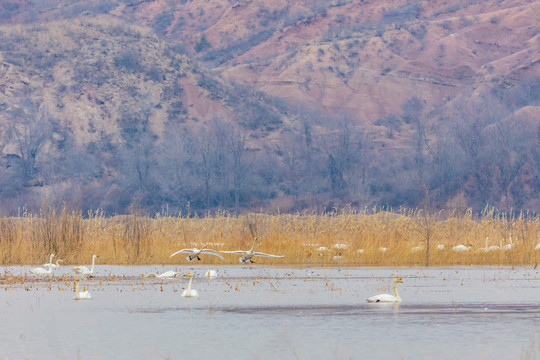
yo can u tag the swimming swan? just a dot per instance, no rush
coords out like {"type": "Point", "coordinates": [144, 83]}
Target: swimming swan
{"type": "Point", "coordinates": [190, 292]}
{"type": "Point", "coordinates": [387, 297]}
{"type": "Point", "coordinates": [248, 255]}
{"type": "Point", "coordinates": [165, 275]}
{"type": "Point", "coordinates": [42, 271]}
{"type": "Point", "coordinates": [195, 253]}
{"type": "Point", "coordinates": [55, 266]}
{"type": "Point", "coordinates": [85, 295]}
{"type": "Point", "coordinates": [83, 269]}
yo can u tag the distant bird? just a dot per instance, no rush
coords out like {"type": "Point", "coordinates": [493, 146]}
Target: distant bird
{"type": "Point", "coordinates": [248, 255]}
{"type": "Point", "coordinates": [537, 247]}
{"type": "Point", "coordinates": [85, 295]}
{"type": "Point", "coordinates": [415, 249]}
{"type": "Point", "coordinates": [360, 251]}
{"type": "Point", "coordinates": [188, 293]}
{"type": "Point", "coordinates": [165, 275]}
{"type": "Point", "coordinates": [83, 270]}
{"type": "Point", "coordinates": [440, 247]}
{"type": "Point", "coordinates": [387, 297]}
{"type": "Point", "coordinates": [210, 274]}
{"type": "Point", "coordinates": [341, 246]}
{"type": "Point", "coordinates": [54, 266]}
{"type": "Point", "coordinates": [195, 253]}
{"type": "Point", "coordinates": [508, 246]}
{"type": "Point", "coordinates": [322, 249]}
{"type": "Point", "coordinates": [383, 249]}
{"type": "Point", "coordinates": [42, 271]}
{"type": "Point", "coordinates": [460, 248]}
{"type": "Point", "coordinates": [489, 248]}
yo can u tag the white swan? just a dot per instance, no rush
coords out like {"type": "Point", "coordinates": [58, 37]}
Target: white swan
{"type": "Point", "coordinates": [55, 266]}
{"type": "Point", "coordinates": [415, 249]}
{"type": "Point", "coordinates": [85, 295]}
{"type": "Point", "coordinates": [210, 274]}
{"type": "Point", "coordinates": [83, 269]}
{"type": "Point", "coordinates": [166, 275]}
{"type": "Point", "coordinates": [508, 246]}
{"type": "Point", "coordinates": [460, 248]}
{"type": "Point", "coordinates": [189, 292]}
{"type": "Point", "coordinates": [42, 271]}
{"type": "Point", "coordinates": [248, 255]}
{"type": "Point", "coordinates": [195, 253]}
{"type": "Point", "coordinates": [489, 248]}
{"type": "Point", "coordinates": [387, 297]}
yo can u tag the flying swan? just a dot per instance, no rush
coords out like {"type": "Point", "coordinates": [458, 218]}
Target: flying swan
{"type": "Point", "coordinates": [195, 253]}
{"type": "Point", "coordinates": [387, 297]}
{"type": "Point", "coordinates": [42, 271]}
{"type": "Point", "coordinates": [83, 269]}
{"type": "Point", "coordinates": [166, 275]}
{"type": "Point", "coordinates": [190, 292]}
{"type": "Point", "coordinates": [248, 255]}
{"type": "Point", "coordinates": [85, 295]}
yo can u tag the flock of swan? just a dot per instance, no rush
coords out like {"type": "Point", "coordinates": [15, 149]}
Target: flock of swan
{"type": "Point", "coordinates": [193, 253]}
{"type": "Point", "coordinates": [458, 248]}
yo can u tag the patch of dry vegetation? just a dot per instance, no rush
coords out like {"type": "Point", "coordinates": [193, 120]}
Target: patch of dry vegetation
{"type": "Point", "coordinates": [139, 239]}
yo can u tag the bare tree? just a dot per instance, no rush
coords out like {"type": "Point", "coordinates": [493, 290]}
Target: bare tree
{"type": "Point", "coordinates": [30, 127]}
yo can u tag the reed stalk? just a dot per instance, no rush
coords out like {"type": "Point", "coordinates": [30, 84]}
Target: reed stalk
{"type": "Point", "coordinates": [143, 239]}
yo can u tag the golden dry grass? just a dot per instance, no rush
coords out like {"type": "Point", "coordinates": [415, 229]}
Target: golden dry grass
{"type": "Point", "coordinates": [137, 239]}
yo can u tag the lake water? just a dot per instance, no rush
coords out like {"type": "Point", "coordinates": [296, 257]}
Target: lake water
{"type": "Point", "coordinates": [259, 312]}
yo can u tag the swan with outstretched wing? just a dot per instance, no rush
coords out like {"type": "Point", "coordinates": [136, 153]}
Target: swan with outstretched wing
{"type": "Point", "coordinates": [249, 254]}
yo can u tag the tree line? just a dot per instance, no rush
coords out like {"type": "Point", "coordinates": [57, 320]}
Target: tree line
{"type": "Point", "coordinates": [482, 152]}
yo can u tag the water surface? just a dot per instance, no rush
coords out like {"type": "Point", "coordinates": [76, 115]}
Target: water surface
{"type": "Point", "coordinates": [258, 312]}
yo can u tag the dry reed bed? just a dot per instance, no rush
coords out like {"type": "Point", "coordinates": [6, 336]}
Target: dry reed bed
{"type": "Point", "coordinates": [136, 239]}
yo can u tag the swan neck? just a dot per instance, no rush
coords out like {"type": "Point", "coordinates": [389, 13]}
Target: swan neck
{"type": "Point", "coordinates": [396, 295]}
{"type": "Point", "coordinates": [189, 285]}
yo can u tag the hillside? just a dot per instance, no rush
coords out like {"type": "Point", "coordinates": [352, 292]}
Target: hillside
{"type": "Point", "coordinates": [359, 102]}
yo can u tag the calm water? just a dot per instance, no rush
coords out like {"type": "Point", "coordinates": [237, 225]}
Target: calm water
{"type": "Point", "coordinates": [258, 312]}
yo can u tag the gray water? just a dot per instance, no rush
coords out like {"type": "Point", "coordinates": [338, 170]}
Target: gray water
{"type": "Point", "coordinates": [258, 312]}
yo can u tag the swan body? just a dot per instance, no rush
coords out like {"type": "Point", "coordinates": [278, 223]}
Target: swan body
{"type": "Point", "coordinates": [440, 247]}
{"type": "Point", "coordinates": [249, 254]}
{"type": "Point", "coordinates": [385, 298]}
{"type": "Point", "coordinates": [195, 253]}
{"type": "Point", "coordinates": [460, 248]}
{"type": "Point", "coordinates": [83, 269]}
{"type": "Point", "coordinates": [85, 295]}
{"type": "Point", "coordinates": [537, 247]}
{"type": "Point", "coordinates": [383, 249]}
{"type": "Point", "coordinates": [322, 249]}
{"type": "Point", "coordinates": [166, 275]}
{"type": "Point", "coordinates": [42, 271]}
{"type": "Point", "coordinates": [189, 292]}
{"type": "Point", "coordinates": [210, 274]}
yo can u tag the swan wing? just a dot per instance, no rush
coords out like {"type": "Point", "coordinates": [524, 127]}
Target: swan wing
{"type": "Point", "coordinates": [382, 298]}
{"type": "Point", "coordinates": [189, 251]}
{"type": "Point", "coordinates": [267, 255]}
{"type": "Point", "coordinates": [239, 252]}
{"type": "Point", "coordinates": [212, 252]}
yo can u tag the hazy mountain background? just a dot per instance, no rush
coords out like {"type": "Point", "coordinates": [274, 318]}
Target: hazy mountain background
{"type": "Point", "coordinates": [272, 105]}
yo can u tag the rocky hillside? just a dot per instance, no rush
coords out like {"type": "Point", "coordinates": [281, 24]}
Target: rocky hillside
{"type": "Point", "coordinates": [387, 101]}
